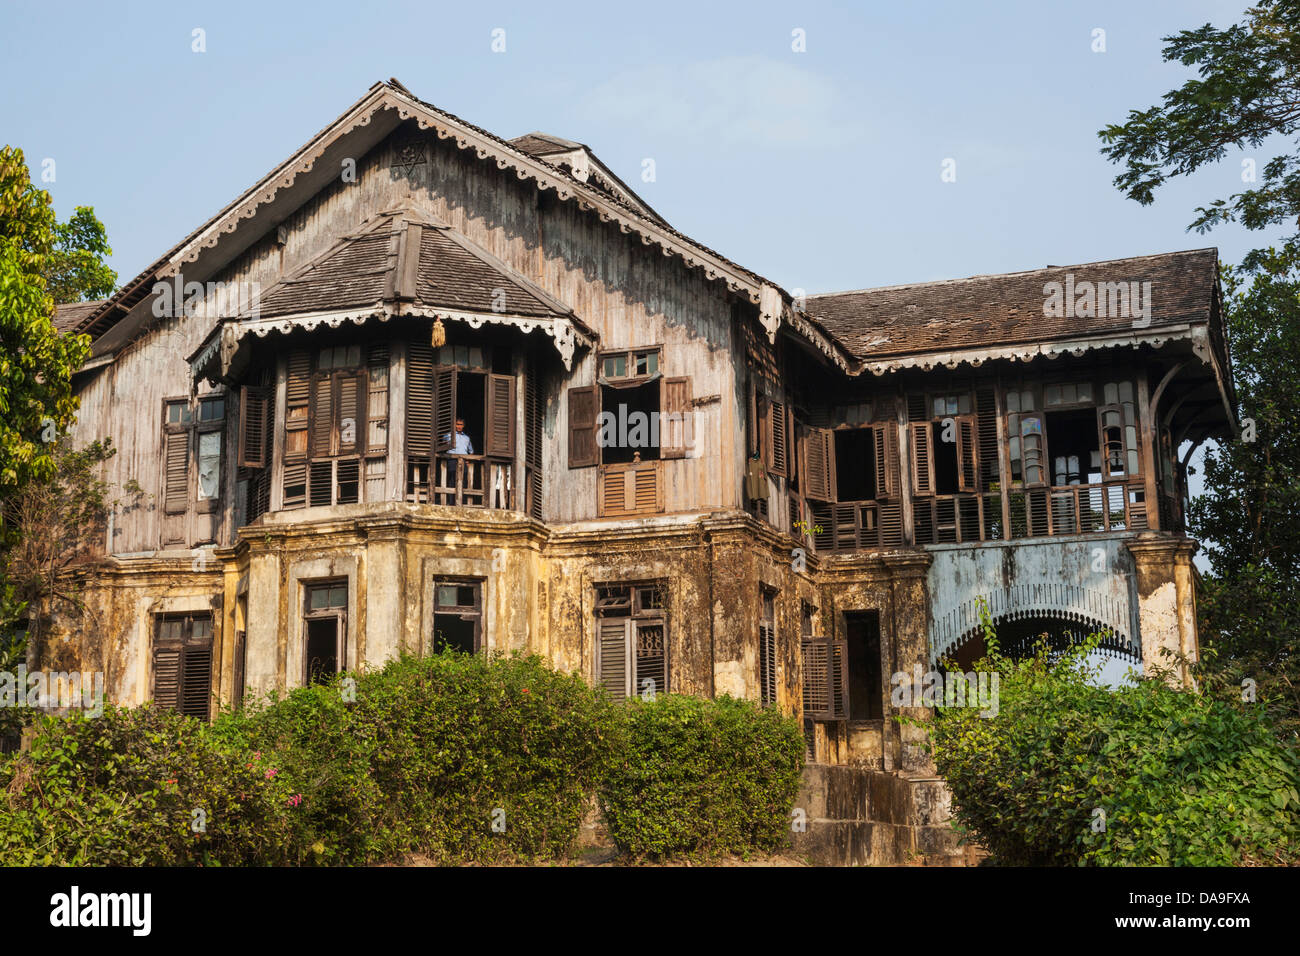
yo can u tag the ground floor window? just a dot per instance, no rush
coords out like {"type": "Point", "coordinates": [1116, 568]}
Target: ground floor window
{"type": "Point", "coordinates": [457, 616]}
{"type": "Point", "coordinates": [325, 616]}
{"type": "Point", "coordinates": [182, 663]}
{"type": "Point", "coordinates": [767, 649]}
{"type": "Point", "coordinates": [631, 640]}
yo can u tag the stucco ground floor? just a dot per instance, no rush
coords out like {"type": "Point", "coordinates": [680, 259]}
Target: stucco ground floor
{"type": "Point", "coordinates": [705, 604]}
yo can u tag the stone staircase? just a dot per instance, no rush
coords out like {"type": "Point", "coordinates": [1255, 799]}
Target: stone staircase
{"type": "Point", "coordinates": [859, 816]}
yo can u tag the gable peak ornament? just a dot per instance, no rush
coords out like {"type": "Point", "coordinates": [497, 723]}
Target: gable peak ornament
{"type": "Point", "coordinates": [408, 156]}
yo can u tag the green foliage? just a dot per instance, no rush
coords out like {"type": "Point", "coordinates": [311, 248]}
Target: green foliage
{"type": "Point", "coordinates": [1249, 515]}
{"type": "Point", "coordinates": [702, 777]}
{"type": "Point", "coordinates": [429, 750]}
{"type": "Point", "coordinates": [121, 790]}
{"type": "Point", "coordinates": [1181, 779]}
{"type": "Point", "coordinates": [36, 362]}
{"type": "Point", "coordinates": [75, 269]}
{"type": "Point", "coordinates": [1248, 80]}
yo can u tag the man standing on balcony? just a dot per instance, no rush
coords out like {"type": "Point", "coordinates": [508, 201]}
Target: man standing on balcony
{"type": "Point", "coordinates": [460, 443]}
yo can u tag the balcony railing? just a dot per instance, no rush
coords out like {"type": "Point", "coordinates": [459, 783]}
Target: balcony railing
{"type": "Point", "coordinates": [1079, 509]}
{"type": "Point", "coordinates": [473, 481]}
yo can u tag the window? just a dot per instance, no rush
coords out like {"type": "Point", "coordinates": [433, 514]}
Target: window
{"type": "Point", "coordinates": [325, 614]}
{"type": "Point", "coordinates": [944, 432]}
{"type": "Point", "coordinates": [192, 432]}
{"type": "Point", "coordinates": [182, 663]}
{"type": "Point", "coordinates": [457, 616]}
{"type": "Point", "coordinates": [631, 640]}
{"type": "Point", "coordinates": [638, 364]}
{"type": "Point", "coordinates": [767, 649]}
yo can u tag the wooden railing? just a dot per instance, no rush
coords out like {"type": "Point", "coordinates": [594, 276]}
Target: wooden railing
{"type": "Point", "coordinates": [473, 481]}
{"type": "Point", "coordinates": [855, 525]}
{"type": "Point", "coordinates": [1079, 509]}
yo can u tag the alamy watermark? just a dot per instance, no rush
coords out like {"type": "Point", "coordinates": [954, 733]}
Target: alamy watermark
{"type": "Point", "coordinates": [977, 689]}
{"type": "Point", "coordinates": [175, 298]}
{"type": "Point", "coordinates": [59, 690]}
{"type": "Point", "coordinates": [1098, 300]}
{"type": "Point", "coordinates": [638, 429]}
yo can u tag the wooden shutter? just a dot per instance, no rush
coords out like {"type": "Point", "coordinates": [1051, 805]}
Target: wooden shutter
{"type": "Point", "coordinates": [675, 433]}
{"type": "Point", "coordinates": [819, 464]}
{"type": "Point", "coordinates": [825, 679]}
{"type": "Point", "coordinates": [533, 414]}
{"type": "Point", "coordinates": [651, 656]}
{"type": "Point", "coordinates": [886, 451]}
{"type": "Point", "coordinates": [376, 441]}
{"type": "Point", "coordinates": [500, 438]}
{"type": "Point", "coordinates": [778, 429]}
{"type": "Point", "coordinates": [583, 451]}
{"type": "Point", "coordinates": [167, 660]}
{"type": "Point", "coordinates": [767, 662]}
{"type": "Point", "coordinates": [614, 653]}
{"type": "Point", "coordinates": [254, 426]}
{"type": "Point", "coordinates": [419, 399]}
{"type": "Point", "coordinates": [297, 402]}
{"type": "Point", "coordinates": [196, 679]}
{"type": "Point", "coordinates": [444, 407]}
{"type": "Point", "coordinates": [176, 454]}
{"type": "Point", "coordinates": [321, 417]}
{"type": "Point", "coordinates": [967, 454]}
{"type": "Point", "coordinates": [922, 459]}
{"type": "Point", "coordinates": [351, 418]}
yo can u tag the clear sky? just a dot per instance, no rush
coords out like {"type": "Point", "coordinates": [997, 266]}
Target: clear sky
{"type": "Point", "coordinates": [818, 169]}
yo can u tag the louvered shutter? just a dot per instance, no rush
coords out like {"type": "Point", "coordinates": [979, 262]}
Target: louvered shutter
{"type": "Point", "coordinates": [819, 464]}
{"type": "Point", "coordinates": [533, 415]}
{"type": "Point", "coordinates": [196, 683]}
{"type": "Point", "coordinates": [500, 438]}
{"type": "Point", "coordinates": [816, 679]}
{"type": "Point", "coordinates": [322, 416]}
{"type": "Point", "coordinates": [254, 426]}
{"type": "Point", "coordinates": [583, 451]}
{"type": "Point", "coordinates": [778, 428]}
{"type": "Point", "coordinates": [419, 400]}
{"type": "Point", "coordinates": [167, 659]}
{"type": "Point", "coordinates": [351, 421]}
{"type": "Point", "coordinates": [614, 652]}
{"type": "Point", "coordinates": [886, 449]}
{"type": "Point", "coordinates": [922, 460]}
{"type": "Point", "coordinates": [297, 402]}
{"type": "Point", "coordinates": [767, 662]}
{"type": "Point", "coordinates": [176, 454]}
{"type": "Point", "coordinates": [444, 407]}
{"type": "Point", "coordinates": [967, 454]}
{"type": "Point", "coordinates": [675, 425]}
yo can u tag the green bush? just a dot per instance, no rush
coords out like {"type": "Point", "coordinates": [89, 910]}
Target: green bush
{"type": "Point", "coordinates": [122, 790]}
{"type": "Point", "coordinates": [432, 753]}
{"type": "Point", "coordinates": [702, 777]}
{"type": "Point", "coordinates": [1071, 773]}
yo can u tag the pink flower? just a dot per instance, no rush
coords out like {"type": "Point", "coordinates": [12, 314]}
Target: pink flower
{"type": "Point", "coordinates": [271, 773]}
{"type": "Point", "coordinates": [295, 800]}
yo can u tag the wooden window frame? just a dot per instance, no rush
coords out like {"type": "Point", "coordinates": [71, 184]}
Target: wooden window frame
{"type": "Point", "coordinates": [610, 607]}
{"type": "Point", "coordinates": [465, 611]}
{"type": "Point", "coordinates": [339, 614]}
{"type": "Point", "coordinates": [187, 649]}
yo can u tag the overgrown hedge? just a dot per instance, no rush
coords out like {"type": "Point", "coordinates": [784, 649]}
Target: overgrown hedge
{"type": "Point", "coordinates": [1069, 773]}
{"type": "Point", "coordinates": [702, 778]}
{"type": "Point", "coordinates": [459, 757]}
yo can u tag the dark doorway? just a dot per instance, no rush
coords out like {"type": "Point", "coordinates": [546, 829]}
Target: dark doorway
{"type": "Point", "coordinates": [322, 649]}
{"type": "Point", "coordinates": [866, 692]}
{"type": "Point", "coordinates": [470, 406]}
{"type": "Point", "coordinates": [945, 456]}
{"type": "Point", "coordinates": [855, 464]}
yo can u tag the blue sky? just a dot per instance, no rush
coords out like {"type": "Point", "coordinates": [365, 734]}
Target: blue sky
{"type": "Point", "coordinates": [820, 169]}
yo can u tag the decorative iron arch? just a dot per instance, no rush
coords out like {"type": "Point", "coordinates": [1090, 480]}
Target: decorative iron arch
{"type": "Point", "coordinates": [1091, 611]}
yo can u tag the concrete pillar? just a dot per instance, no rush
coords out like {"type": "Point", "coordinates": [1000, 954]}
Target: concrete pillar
{"type": "Point", "coordinates": [1166, 602]}
{"type": "Point", "coordinates": [910, 647]}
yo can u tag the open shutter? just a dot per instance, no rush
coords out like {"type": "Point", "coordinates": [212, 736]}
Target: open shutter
{"type": "Point", "coordinates": [583, 452]}
{"type": "Point", "coordinates": [176, 453]}
{"type": "Point", "coordinates": [254, 426]}
{"type": "Point", "coordinates": [351, 421]}
{"type": "Point", "coordinates": [419, 399]}
{"type": "Point", "coordinates": [816, 679]}
{"type": "Point", "coordinates": [322, 417]}
{"type": "Point", "coordinates": [767, 662]}
{"type": "Point", "coordinates": [967, 454]}
{"type": "Point", "coordinates": [819, 464]}
{"type": "Point", "coordinates": [297, 402]}
{"type": "Point", "coordinates": [167, 661]}
{"type": "Point", "coordinates": [500, 438]}
{"type": "Point", "coordinates": [778, 429]}
{"type": "Point", "coordinates": [444, 407]}
{"type": "Point", "coordinates": [534, 410]}
{"type": "Point", "coordinates": [196, 682]}
{"type": "Point", "coordinates": [614, 653]}
{"type": "Point", "coordinates": [886, 449]}
{"type": "Point", "coordinates": [922, 459]}
{"type": "Point", "coordinates": [675, 423]}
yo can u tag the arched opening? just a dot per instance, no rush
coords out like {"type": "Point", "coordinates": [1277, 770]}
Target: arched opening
{"type": "Point", "coordinates": [1018, 635]}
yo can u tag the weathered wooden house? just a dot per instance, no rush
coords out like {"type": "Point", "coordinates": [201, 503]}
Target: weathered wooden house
{"type": "Point", "coordinates": [422, 386]}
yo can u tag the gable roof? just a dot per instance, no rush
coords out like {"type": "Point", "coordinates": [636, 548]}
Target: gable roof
{"type": "Point", "coordinates": [291, 184]}
{"type": "Point", "coordinates": [1009, 309]}
{"type": "Point", "coordinates": [410, 256]}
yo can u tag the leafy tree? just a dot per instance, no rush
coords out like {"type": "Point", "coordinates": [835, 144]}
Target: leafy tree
{"type": "Point", "coordinates": [1247, 90]}
{"type": "Point", "coordinates": [36, 362]}
{"type": "Point", "coordinates": [1249, 514]}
